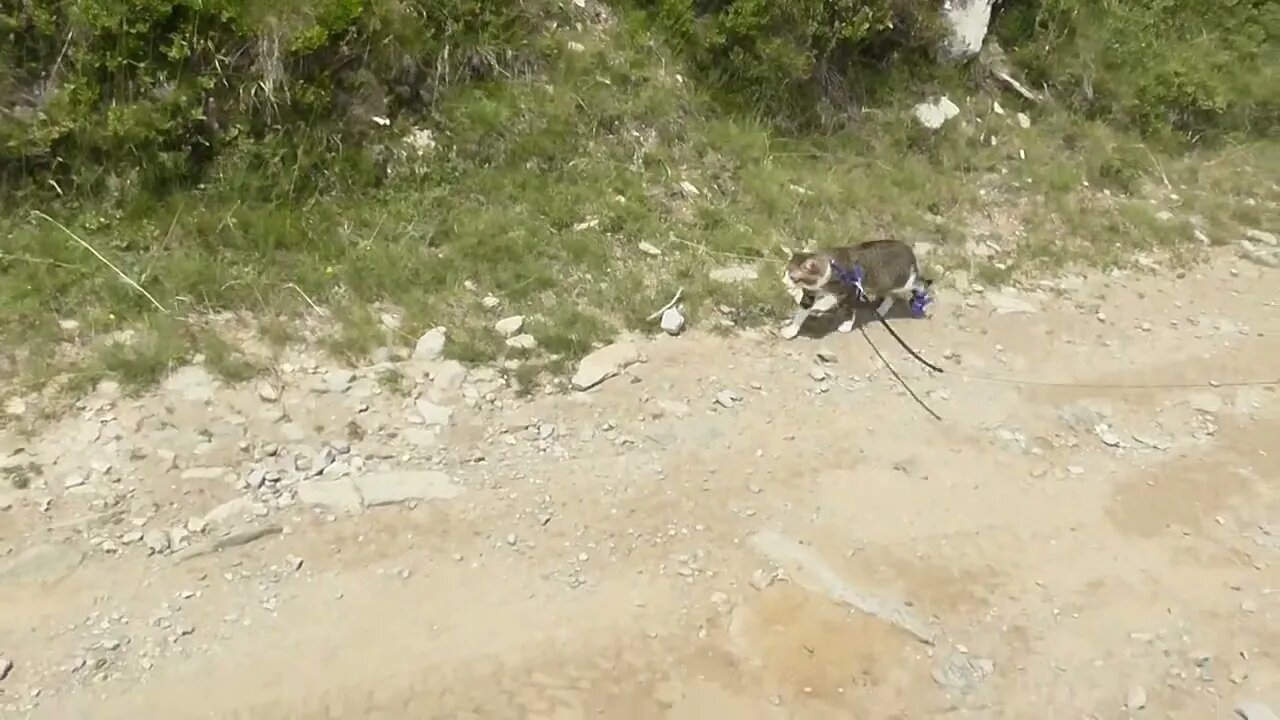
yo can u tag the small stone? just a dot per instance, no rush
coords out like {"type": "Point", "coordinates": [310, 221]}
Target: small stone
{"type": "Point", "coordinates": [490, 302]}
{"type": "Point", "coordinates": [727, 398]}
{"type": "Point", "coordinates": [509, 326]}
{"type": "Point", "coordinates": [817, 373]}
{"type": "Point", "coordinates": [826, 356]}
{"type": "Point", "coordinates": [430, 346]}
{"type": "Point", "coordinates": [6, 667]}
{"type": "Point", "coordinates": [157, 541]}
{"type": "Point", "coordinates": [1136, 698]}
{"type": "Point", "coordinates": [1261, 236]}
{"type": "Point", "coordinates": [936, 113]}
{"type": "Point", "coordinates": [1024, 122]}
{"type": "Point", "coordinates": [761, 579]}
{"type": "Point", "coordinates": [735, 274]}
{"type": "Point", "coordinates": [131, 537]}
{"type": "Point", "coordinates": [672, 321]}
{"type": "Point", "coordinates": [15, 407]}
{"type": "Point", "coordinates": [268, 392]}
{"type": "Point", "coordinates": [523, 341]}
{"type": "Point", "coordinates": [648, 249]}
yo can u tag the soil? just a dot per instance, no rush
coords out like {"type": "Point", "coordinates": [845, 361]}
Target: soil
{"type": "Point", "coordinates": [1064, 544]}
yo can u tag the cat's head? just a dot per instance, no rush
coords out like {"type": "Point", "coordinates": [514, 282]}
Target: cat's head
{"type": "Point", "coordinates": [808, 269]}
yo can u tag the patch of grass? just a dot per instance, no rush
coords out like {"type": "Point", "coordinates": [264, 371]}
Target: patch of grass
{"type": "Point", "coordinates": [541, 189]}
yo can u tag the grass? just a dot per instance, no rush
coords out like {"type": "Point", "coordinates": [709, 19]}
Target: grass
{"type": "Point", "coordinates": [540, 191]}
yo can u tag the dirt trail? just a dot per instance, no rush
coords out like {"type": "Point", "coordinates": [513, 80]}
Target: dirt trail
{"type": "Point", "coordinates": [598, 554]}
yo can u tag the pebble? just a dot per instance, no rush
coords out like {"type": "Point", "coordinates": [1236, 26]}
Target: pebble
{"type": "Point", "coordinates": [6, 667]}
{"type": "Point", "coordinates": [509, 326]}
{"type": "Point", "coordinates": [430, 346]}
{"type": "Point", "coordinates": [727, 398]}
{"type": "Point", "coordinates": [157, 541]}
{"type": "Point", "coordinates": [672, 321]}
{"type": "Point", "coordinates": [1136, 699]}
{"type": "Point", "coordinates": [523, 341]}
{"type": "Point", "coordinates": [735, 274]}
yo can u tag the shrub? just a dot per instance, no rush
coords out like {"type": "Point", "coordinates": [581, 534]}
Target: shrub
{"type": "Point", "coordinates": [1198, 68]}
{"type": "Point", "coordinates": [786, 58]}
{"type": "Point", "coordinates": [92, 90]}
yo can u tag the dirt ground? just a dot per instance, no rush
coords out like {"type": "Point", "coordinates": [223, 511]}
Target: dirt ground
{"type": "Point", "coordinates": [735, 527]}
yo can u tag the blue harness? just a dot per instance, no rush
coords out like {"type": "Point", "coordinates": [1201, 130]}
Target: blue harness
{"type": "Point", "coordinates": [920, 298]}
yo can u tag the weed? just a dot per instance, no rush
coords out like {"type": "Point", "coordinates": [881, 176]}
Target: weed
{"type": "Point", "coordinates": [548, 175]}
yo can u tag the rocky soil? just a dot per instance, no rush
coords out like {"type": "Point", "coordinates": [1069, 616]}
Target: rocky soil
{"type": "Point", "coordinates": [691, 526]}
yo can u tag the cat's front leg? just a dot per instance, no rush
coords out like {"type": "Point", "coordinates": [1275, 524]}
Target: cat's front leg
{"type": "Point", "coordinates": [851, 316]}
{"type": "Point", "coordinates": [806, 306]}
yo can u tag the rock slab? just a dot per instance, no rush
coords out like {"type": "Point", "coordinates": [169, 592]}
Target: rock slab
{"type": "Point", "coordinates": [603, 364]}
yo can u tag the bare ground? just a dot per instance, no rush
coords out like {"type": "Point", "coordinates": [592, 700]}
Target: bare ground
{"type": "Point", "coordinates": [641, 551]}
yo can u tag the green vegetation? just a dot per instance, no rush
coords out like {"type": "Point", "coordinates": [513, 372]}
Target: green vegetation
{"type": "Point", "coordinates": [366, 156]}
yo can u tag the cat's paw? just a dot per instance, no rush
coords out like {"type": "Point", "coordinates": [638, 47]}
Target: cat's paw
{"type": "Point", "coordinates": [845, 327]}
{"type": "Point", "coordinates": [790, 331]}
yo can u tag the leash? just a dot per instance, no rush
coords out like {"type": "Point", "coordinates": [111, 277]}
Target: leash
{"type": "Point", "coordinates": [853, 278]}
{"type": "Point", "coordinates": [896, 376]}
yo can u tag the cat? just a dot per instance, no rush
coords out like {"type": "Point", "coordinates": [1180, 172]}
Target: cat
{"type": "Point", "coordinates": [824, 279]}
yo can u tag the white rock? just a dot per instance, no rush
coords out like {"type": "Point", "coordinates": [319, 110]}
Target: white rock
{"type": "Point", "coordinates": [490, 302]}
{"type": "Point", "coordinates": [935, 114]}
{"type": "Point", "coordinates": [15, 407]}
{"type": "Point", "coordinates": [268, 392]}
{"type": "Point", "coordinates": [672, 321]}
{"type": "Point", "coordinates": [727, 398]}
{"type": "Point", "coordinates": [430, 346]}
{"type": "Point", "coordinates": [603, 364]}
{"type": "Point", "coordinates": [523, 341]}
{"type": "Point", "coordinates": [648, 248]}
{"type": "Point", "coordinates": [735, 274]}
{"type": "Point", "coordinates": [336, 495]}
{"type": "Point", "coordinates": [1136, 699]}
{"type": "Point", "coordinates": [996, 107]}
{"type": "Point", "coordinates": [1261, 236]}
{"type": "Point", "coordinates": [509, 326]}
{"type": "Point", "coordinates": [1257, 254]}
{"type": "Point", "coordinates": [433, 415]}
{"type": "Point", "coordinates": [157, 541]}
{"type": "Point", "coordinates": [389, 488]}
{"type": "Point", "coordinates": [966, 22]}
{"type": "Point", "coordinates": [1024, 122]}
